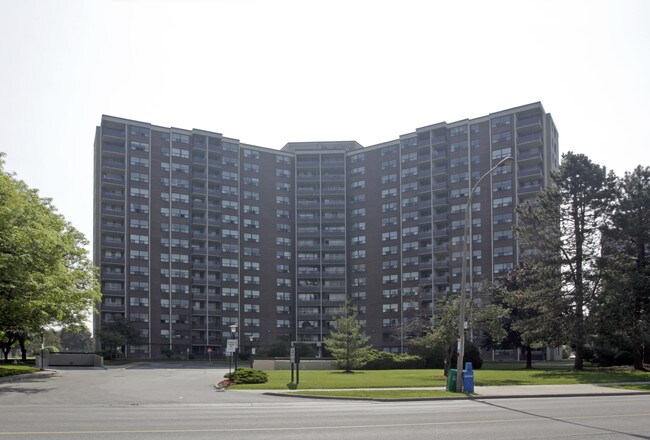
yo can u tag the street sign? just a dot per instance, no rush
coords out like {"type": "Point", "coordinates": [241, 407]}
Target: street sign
{"type": "Point", "coordinates": [292, 355]}
{"type": "Point", "coordinates": [231, 346]}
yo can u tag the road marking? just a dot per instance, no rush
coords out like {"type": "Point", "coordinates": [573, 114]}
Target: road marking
{"type": "Point", "coordinates": [311, 428]}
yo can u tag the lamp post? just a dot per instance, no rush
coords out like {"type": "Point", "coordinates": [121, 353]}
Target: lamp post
{"type": "Point", "coordinates": [252, 350]}
{"type": "Point", "coordinates": [233, 334]}
{"type": "Point", "coordinates": [463, 274]}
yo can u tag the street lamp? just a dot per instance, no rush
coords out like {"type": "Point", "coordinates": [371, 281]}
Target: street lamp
{"type": "Point", "coordinates": [463, 274]}
{"type": "Point", "coordinates": [233, 334]}
{"type": "Point", "coordinates": [252, 349]}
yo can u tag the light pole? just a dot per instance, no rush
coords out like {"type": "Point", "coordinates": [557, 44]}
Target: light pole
{"type": "Point", "coordinates": [233, 334]}
{"type": "Point", "coordinates": [463, 274]}
{"type": "Point", "coordinates": [252, 350]}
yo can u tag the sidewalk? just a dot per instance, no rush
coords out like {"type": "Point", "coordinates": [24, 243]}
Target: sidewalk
{"type": "Point", "coordinates": [493, 392]}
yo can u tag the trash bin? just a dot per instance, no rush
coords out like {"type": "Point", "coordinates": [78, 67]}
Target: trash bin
{"type": "Point", "coordinates": [451, 381]}
{"type": "Point", "coordinates": [468, 378]}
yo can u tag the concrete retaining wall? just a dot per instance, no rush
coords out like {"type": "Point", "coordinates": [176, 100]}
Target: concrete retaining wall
{"type": "Point", "coordinates": [284, 364]}
{"type": "Point", "coordinates": [75, 359]}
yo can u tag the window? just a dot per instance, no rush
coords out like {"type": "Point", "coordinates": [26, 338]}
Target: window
{"type": "Point", "coordinates": [139, 161]}
{"type": "Point", "coordinates": [406, 172]}
{"type": "Point", "coordinates": [500, 121]}
{"type": "Point", "coordinates": [388, 308]}
{"type": "Point", "coordinates": [281, 186]}
{"type": "Point", "coordinates": [358, 184]}
{"type": "Point", "coordinates": [388, 164]}
{"type": "Point", "coordinates": [502, 186]}
{"type": "Point", "coordinates": [390, 192]}
{"type": "Point", "coordinates": [501, 202]}
{"type": "Point", "coordinates": [503, 235]}
{"type": "Point", "coordinates": [389, 150]}
{"type": "Point", "coordinates": [501, 153]}
{"type": "Point", "coordinates": [387, 207]}
{"type": "Point", "coordinates": [503, 218]}
{"type": "Point", "coordinates": [139, 223]}
{"type": "Point", "coordinates": [501, 137]}
{"type": "Point", "coordinates": [358, 170]}
{"type": "Point", "coordinates": [281, 200]}
{"type": "Point", "coordinates": [140, 177]}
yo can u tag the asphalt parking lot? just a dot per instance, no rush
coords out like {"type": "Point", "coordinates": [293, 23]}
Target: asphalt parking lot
{"type": "Point", "coordinates": [135, 384]}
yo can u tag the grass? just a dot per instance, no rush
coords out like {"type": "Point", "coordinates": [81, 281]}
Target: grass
{"type": "Point", "coordinates": [381, 394]}
{"type": "Point", "coordinates": [332, 380]}
{"type": "Point", "coordinates": [639, 387]}
{"type": "Point", "coordinates": [12, 370]}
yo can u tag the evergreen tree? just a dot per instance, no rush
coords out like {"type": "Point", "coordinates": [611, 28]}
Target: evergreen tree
{"type": "Point", "coordinates": [562, 233]}
{"type": "Point", "coordinates": [624, 313]}
{"type": "Point", "coordinates": [346, 341]}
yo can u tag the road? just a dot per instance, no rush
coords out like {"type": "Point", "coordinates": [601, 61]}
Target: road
{"type": "Point", "coordinates": [180, 403]}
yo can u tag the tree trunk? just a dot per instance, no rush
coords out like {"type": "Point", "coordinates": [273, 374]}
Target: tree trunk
{"type": "Point", "coordinates": [529, 357]}
{"type": "Point", "coordinates": [578, 364]}
{"type": "Point", "coordinates": [23, 349]}
{"type": "Point", "coordinates": [637, 353]}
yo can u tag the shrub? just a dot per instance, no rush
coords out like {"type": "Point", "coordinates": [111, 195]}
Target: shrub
{"type": "Point", "coordinates": [623, 358]}
{"type": "Point", "coordinates": [248, 375]}
{"type": "Point", "coordinates": [378, 360]}
{"type": "Point", "coordinates": [381, 360]}
{"type": "Point", "coordinates": [473, 355]}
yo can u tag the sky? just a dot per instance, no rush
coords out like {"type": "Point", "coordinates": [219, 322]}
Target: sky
{"type": "Point", "coordinates": [268, 72]}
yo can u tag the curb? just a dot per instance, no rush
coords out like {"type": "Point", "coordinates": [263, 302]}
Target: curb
{"type": "Point", "coordinates": [476, 397]}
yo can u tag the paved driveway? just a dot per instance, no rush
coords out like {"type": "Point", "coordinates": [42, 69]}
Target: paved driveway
{"type": "Point", "coordinates": [139, 384]}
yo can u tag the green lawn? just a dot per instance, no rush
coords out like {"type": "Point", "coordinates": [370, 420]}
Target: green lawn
{"type": "Point", "coordinates": [381, 394]}
{"type": "Point", "coordinates": [11, 370]}
{"type": "Point", "coordinates": [328, 379]}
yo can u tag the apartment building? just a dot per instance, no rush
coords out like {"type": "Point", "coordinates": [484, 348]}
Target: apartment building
{"type": "Point", "coordinates": [195, 231]}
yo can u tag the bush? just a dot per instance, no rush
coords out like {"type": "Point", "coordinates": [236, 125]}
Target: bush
{"type": "Point", "coordinates": [473, 355]}
{"type": "Point", "coordinates": [623, 358]}
{"type": "Point", "coordinates": [248, 375]}
{"type": "Point", "coordinates": [381, 360]}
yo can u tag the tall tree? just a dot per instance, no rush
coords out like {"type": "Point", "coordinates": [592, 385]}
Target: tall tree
{"type": "Point", "coordinates": [562, 231]}
{"type": "Point", "coordinates": [46, 277]}
{"type": "Point", "coordinates": [624, 317]}
{"type": "Point", "coordinates": [346, 341]}
{"type": "Point", "coordinates": [534, 298]}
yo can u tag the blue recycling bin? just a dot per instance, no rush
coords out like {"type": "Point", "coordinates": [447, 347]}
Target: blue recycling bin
{"type": "Point", "coordinates": [468, 378]}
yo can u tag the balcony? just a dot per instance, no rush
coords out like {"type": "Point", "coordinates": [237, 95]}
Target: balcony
{"type": "Point", "coordinates": [529, 124]}
{"type": "Point", "coordinates": [114, 164]}
{"type": "Point", "coordinates": [530, 140]}
{"type": "Point", "coordinates": [438, 170]}
{"type": "Point", "coordinates": [525, 189]}
{"type": "Point", "coordinates": [530, 156]}
{"type": "Point", "coordinates": [530, 172]}
{"type": "Point", "coordinates": [113, 148]}
{"type": "Point", "coordinates": [114, 132]}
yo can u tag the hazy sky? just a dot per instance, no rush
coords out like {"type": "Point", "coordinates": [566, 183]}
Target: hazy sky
{"type": "Point", "coordinates": [269, 72]}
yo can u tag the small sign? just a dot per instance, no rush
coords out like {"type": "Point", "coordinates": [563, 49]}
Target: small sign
{"type": "Point", "coordinates": [292, 355]}
{"type": "Point", "coordinates": [231, 347]}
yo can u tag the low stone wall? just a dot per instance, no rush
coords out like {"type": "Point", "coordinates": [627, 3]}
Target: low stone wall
{"type": "Point", "coordinates": [74, 359]}
{"type": "Point", "coordinates": [285, 364]}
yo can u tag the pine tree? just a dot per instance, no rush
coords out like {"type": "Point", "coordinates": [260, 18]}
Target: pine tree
{"type": "Point", "coordinates": [346, 341]}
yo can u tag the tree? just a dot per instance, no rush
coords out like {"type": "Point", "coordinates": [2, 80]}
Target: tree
{"type": "Point", "coordinates": [76, 338]}
{"type": "Point", "coordinates": [443, 336]}
{"type": "Point", "coordinates": [46, 277]}
{"type": "Point", "coordinates": [346, 341]}
{"type": "Point", "coordinates": [116, 334]}
{"type": "Point", "coordinates": [624, 312]}
{"type": "Point", "coordinates": [563, 232]}
{"type": "Point", "coordinates": [534, 299]}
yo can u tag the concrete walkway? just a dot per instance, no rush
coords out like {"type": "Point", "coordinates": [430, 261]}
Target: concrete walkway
{"type": "Point", "coordinates": [497, 392]}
